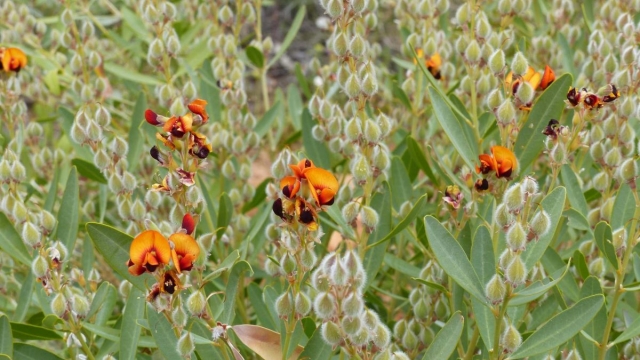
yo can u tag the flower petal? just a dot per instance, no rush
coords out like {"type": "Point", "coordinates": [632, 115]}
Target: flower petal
{"type": "Point", "coordinates": [323, 182]}
{"type": "Point", "coordinates": [547, 77]}
{"type": "Point", "coordinates": [290, 186]}
{"type": "Point", "coordinates": [187, 250]}
{"type": "Point", "coordinates": [149, 247]}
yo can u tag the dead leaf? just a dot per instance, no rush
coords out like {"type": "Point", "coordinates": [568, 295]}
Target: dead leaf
{"type": "Point", "coordinates": [263, 341]}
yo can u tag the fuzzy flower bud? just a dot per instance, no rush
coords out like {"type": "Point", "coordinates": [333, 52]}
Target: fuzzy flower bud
{"type": "Point", "coordinates": [516, 272]}
{"type": "Point", "coordinates": [324, 305]}
{"type": "Point", "coordinates": [613, 157]}
{"type": "Point", "coordinates": [540, 224]}
{"type": "Point", "coordinates": [352, 86]}
{"type": "Point", "coordinates": [357, 46]}
{"type": "Point", "coordinates": [353, 305]}
{"type": "Point", "coordinates": [59, 305]}
{"type": "Point", "coordinates": [519, 64]}
{"type": "Point", "coordinates": [473, 52]}
{"type": "Point", "coordinates": [502, 216]}
{"type": "Point", "coordinates": [40, 266]}
{"type": "Point", "coordinates": [514, 197]}
{"type": "Point", "coordinates": [80, 305]}
{"type": "Point", "coordinates": [369, 216]}
{"type": "Point", "coordinates": [506, 112]}
{"type": "Point", "coordinates": [525, 93]}
{"type": "Point", "coordinates": [511, 339]}
{"type": "Point", "coordinates": [516, 237]}
{"type": "Point", "coordinates": [596, 267]}
{"type": "Point", "coordinates": [369, 85]}
{"type": "Point", "coordinates": [284, 305]}
{"type": "Point", "coordinates": [495, 290]}
{"type": "Point", "coordinates": [196, 303]}
{"type": "Point", "coordinates": [186, 345]}
{"type": "Point", "coordinates": [31, 235]}
{"type": "Point", "coordinates": [331, 333]}
{"type": "Point", "coordinates": [628, 171]}
{"type": "Point", "coordinates": [340, 45]}
{"type": "Point", "coordinates": [302, 304]}
{"type": "Point", "coordinates": [360, 169]}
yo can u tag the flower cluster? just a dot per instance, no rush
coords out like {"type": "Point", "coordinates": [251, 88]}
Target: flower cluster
{"type": "Point", "coordinates": [307, 182]}
{"type": "Point", "coordinates": [12, 59]}
{"type": "Point", "coordinates": [180, 133]}
{"type": "Point", "coordinates": [151, 252]}
{"type": "Point", "coordinates": [590, 100]}
{"type": "Point", "coordinates": [535, 80]}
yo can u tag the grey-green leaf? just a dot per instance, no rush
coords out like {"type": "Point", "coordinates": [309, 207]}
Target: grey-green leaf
{"type": "Point", "coordinates": [445, 341]}
{"type": "Point", "coordinates": [560, 328]}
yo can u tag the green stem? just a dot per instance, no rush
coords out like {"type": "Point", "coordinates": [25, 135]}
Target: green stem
{"type": "Point", "coordinates": [495, 352]}
{"type": "Point", "coordinates": [472, 344]}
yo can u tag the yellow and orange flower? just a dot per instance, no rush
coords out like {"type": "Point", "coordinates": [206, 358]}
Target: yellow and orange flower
{"type": "Point", "coordinates": [433, 63]}
{"type": "Point", "coordinates": [502, 160]}
{"type": "Point", "coordinates": [12, 59]}
{"type": "Point", "coordinates": [323, 184]}
{"type": "Point", "coordinates": [534, 78]}
{"type": "Point", "coordinates": [148, 251]}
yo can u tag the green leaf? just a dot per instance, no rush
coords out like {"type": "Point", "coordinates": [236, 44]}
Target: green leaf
{"type": "Point", "coordinates": [24, 331]}
{"type": "Point", "coordinates": [259, 197]}
{"type": "Point", "coordinates": [530, 141]}
{"type": "Point", "coordinates": [402, 266]}
{"type": "Point", "coordinates": [136, 138]}
{"type": "Point", "coordinates": [68, 214]}
{"type": "Point", "coordinates": [581, 264]}
{"type": "Point", "coordinates": [6, 338]}
{"type": "Point", "coordinates": [623, 207]}
{"type": "Point", "coordinates": [52, 195]}
{"type": "Point", "coordinates": [133, 311]}
{"type": "Point", "coordinates": [29, 352]}
{"type": "Point", "coordinates": [452, 258]}
{"type": "Point", "coordinates": [415, 211]}
{"type": "Point", "coordinates": [254, 293]}
{"type": "Point", "coordinates": [316, 151]}
{"type": "Point", "coordinates": [234, 282]}
{"type": "Point", "coordinates": [603, 237]}
{"type": "Point", "coordinates": [537, 289]}
{"type": "Point", "coordinates": [399, 182]}
{"type": "Point", "coordinates": [574, 192]}
{"type": "Point", "coordinates": [399, 94]}
{"type": "Point", "coordinates": [446, 339]}
{"type": "Point", "coordinates": [113, 245]}
{"type": "Point", "coordinates": [255, 56]}
{"type": "Point", "coordinates": [633, 331]}
{"type": "Point", "coordinates": [316, 348]}
{"type": "Point", "coordinates": [432, 285]}
{"type": "Point", "coordinates": [88, 170]}
{"type": "Point", "coordinates": [11, 242]}
{"type": "Point", "coordinates": [224, 214]}
{"type": "Point", "coordinates": [553, 205]}
{"type": "Point", "coordinates": [484, 264]}
{"type": "Point", "coordinates": [135, 23]}
{"type": "Point", "coordinates": [560, 328]}
{"type": "Point", "coordinates": [132, 75]}
{"type": "Point", "coordinates": [225, 265]}
{"type": "Point", "coordinates": [265, 124]}
{"type": "Point", "coordinates": [100, 297]}
{"type": "Point", "coordinates": [26, 292]}
{"type": "Point", "coordinates": [302, 81]}
{"type": "Point", "coordinates": [162, 332]}
{"type": "Point", "coordinates": [595, 329]}
{"type": "Point", "coordinates": [374, 257]}
{"type": "Point", "coordinates": [418, 157]}
{"type": "Point", "coordinates": [455, 128]}
{"type": "Point", "coordinates": [209, 216]}
{"type": "Point", "coordinates": [113, 334]}
{"type": "Point", "coordinates": [345, 229]}
{"type": "Point", "coordinates": [291, 34]}
{"type": "Point", "coordinates": [294, 101]}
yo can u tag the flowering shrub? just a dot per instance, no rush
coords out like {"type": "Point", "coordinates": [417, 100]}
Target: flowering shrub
{"type": "Point", "coordinates": [362, 179]}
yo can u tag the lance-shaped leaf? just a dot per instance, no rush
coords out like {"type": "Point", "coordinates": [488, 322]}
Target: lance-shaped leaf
{"type": "Point", "coordinates": [445, 341]}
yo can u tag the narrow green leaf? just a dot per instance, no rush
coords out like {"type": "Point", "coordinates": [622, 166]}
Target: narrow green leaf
{"type": "Point", "coordinates": [446, 339]}
{"type": "Point", "coordinates": [224, 214]}
{"type": "Point", "coordinates": [574, 192]}
{"type": "Point", "coordinates": [68, 214]}
{"type": "Point", "coordinates": [29, 352]}
{"type": "Point", "coordinates": [24, 331]}
{"type": "Point", "coordinates": [374, 257]}
{"type": "Point", "coordinates": [136, 138]}
{"type": "Point", "coordinates": [88, 170]}
{"type": "Point", "coordinates": [430, 284]}
{"type": "Point", "coordinates": [595, 328]}
{"type": "Point", "coordinates": [629, 333]}
{"type": "Point", "coordinates": [225, 265]}
{"type": "Point", "coordinates": [537, 289]}
{"type": "Point", "coordinates": [294, 101]}
{"type": "Point", "coordinates": [113, 245]}
{"type": "Point", "coordinates": [484, 264]}
{"type": "Point", "coordinates": [131, 75]}
{"type": "Point", "coordinates": [259, 197]}
{"type": "Point", "coordinates": [603, 236]}
{"type": "Point", "coordinates": [52, 195]}
{"type": "Point", "coordinates": [11, 242]}
{"type": "Point", "coordinates": [130, 332]}
{"type": "Point", "coordinates": [455, 128]}
{"type": "Point", "coordinates": [345, 229]}
{"type": "Point", "coordinates": [24, 299]}
{"type": "Point", "coordinates": [560, 328]}
{"type": "Point", "coordinates": [452, 258]}
{"type": "Point", "coordinates": [316, 151]}
{"type": "Point", "coordinates": [6, 338]}
{"type": "Point", "coordinates": [210, 216]}
{"type": "Point", "coordinates": [415, 211]}
{"type": "Point", "coordinates": [530, 141]}
{"type": "Point", "coordinates": [402, 266]}
{"type": "Point", "coordinates": [302, 81]}
{"type": "Point", "coordinates": [265, 124]}
{"type": "Point", "coordinates": [553, 205]}
{"type": "Point", "coordinates": [399, 94]}
{"type": "Point", "coordinates": [99, 298]}
{"type": "Point", "coordinates": [581, 264]}
{"type": "Point", "coordinates": [399, 182]}
{"type": "Point", "coordinates": [262, 312]}
{"type": "Point", "coordinates": [255, 56]}
{"type": "Point", "coordinates": [162, 331]}
{"type": "Point", "coordinates": [135, 23]}
{"type": "Point", "coordinates": [291, 34]}
{"type": "Point", "coordinates": [233, 283]}
{"type": "Point", "coordinates": [623, 207]}
{"type": "Point", "coordinates": [418, 156]}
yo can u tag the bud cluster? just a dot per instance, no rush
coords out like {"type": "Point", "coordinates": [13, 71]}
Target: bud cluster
{"type": "Point", "coordinates": [338, 282]}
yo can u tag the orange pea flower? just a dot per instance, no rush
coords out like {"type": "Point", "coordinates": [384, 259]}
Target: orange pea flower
{"type": "Point", "coordinates": [148, 251]}
{"type": "Point", "coordinates": [547, 78]}
{"type": "Point", "coordinates": [184, 252]}
{"type": "Point", "coordinates": [12, 59]}
{"type": "Point", "coordinates": [537, 81]}
{"type": "Point", "coordinates": [502, 160]}
{"type": "Point", "coordinates": [198, 107]}
{"type": "Point", "coordinates": [433, 64]}
{"type": "Point", "coordinates": [323, 184]}
{"type": "Point", "coordinates": [290, 185]}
